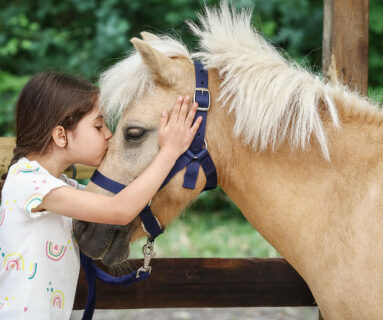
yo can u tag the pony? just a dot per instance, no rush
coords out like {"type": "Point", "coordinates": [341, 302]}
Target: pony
{"type": "Point", "coordinates": [302, 158]}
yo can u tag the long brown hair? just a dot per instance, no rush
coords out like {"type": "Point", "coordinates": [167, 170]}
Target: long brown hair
{"type": "Point", "coordinates": [46, 101]}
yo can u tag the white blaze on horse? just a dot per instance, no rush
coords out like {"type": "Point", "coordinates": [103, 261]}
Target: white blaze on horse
{"type": "Point", "coordinates": [301, 158]}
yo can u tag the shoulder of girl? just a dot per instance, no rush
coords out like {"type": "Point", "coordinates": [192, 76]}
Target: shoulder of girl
{"type": "Point", "coordinates": [24, 167]}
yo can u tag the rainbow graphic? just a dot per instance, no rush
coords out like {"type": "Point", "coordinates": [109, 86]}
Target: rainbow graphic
{"type": "Point", "coordinates": [57, 299]}
{"type": "Point", "coordinates": [32, 270]}
{"type": "Point", "coordinates": [33, 201]}
{"type": "Point", "coordinates": [14, 261]}
{"type": "Point", "coordinates": [2, 305]}
{"type": "Point", "coordinates": [2, 215]}
{"type": "Point", "coordinates": [25, 168]}
{"type": "Point", "coordinates": [55, 252]}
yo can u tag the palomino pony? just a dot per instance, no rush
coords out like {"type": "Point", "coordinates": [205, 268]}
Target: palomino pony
{"type": "Point", "coordinates": [301, 158]}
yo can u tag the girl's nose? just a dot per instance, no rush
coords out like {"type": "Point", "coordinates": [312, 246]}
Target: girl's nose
{"type": "Point", "coordinates": [108, 134]}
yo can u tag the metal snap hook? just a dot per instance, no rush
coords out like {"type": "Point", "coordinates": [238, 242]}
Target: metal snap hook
{"type": "Point", "coordinates": [148, 251]}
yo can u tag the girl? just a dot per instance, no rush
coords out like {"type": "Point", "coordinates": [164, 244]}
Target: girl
{"type": "Point", "coordinates": [59, 124]}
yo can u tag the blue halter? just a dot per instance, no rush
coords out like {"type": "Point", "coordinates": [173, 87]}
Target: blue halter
{"type": "Point", "coordinates": [197, 155]}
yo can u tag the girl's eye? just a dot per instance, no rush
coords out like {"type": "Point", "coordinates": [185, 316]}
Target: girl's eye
{"type": "Point", "coordinates": [98, 128]}
{"type": "Point", "coordinates": [133, 134]}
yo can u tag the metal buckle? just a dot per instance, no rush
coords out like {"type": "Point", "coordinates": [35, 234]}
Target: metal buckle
{"type": "Point", "coordinates": [202, 90]}
{"type": "Point", "coordinates": [148, 251]}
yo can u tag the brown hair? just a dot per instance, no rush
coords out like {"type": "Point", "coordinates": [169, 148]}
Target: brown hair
{"type": "Point", "coordinates": [46, 101]}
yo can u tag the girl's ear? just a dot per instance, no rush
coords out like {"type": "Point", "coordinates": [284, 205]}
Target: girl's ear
{"type": "Point", "coordinates": [59, 136]}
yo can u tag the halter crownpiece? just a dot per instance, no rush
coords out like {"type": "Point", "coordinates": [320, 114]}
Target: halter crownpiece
{"type": "Point", "coordinates": [197, 155]}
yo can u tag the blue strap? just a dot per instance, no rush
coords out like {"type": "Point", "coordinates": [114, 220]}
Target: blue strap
{"type": "Point", "coordinates": [87, 264]}
{"type": "Point", "coordinates": [150, 222]}
{"type": "Point", "coordinates": [106, 183]}
{"type": "Point", "coordinates": [203, 99]}
{"type": "Point", "coordinates": [92, 272]}
{"type": "Point", "coordinates": [146, 215]}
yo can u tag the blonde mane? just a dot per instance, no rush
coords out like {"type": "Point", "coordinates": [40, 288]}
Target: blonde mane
{"type": "Point", "coordinates": [274, 99]}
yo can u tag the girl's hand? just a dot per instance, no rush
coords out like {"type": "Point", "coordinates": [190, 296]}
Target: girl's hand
{"type": "Point", "coordinates": [177, 132]}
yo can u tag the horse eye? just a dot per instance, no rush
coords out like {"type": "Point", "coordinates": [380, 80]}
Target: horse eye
{"type": "Point", "coordinates": [132, 134]}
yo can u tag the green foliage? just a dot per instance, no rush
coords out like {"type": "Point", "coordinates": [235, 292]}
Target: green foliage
{"type": "Point", "coordinates": [9, 85]}
{"type": "Point", "coordinates": [375, 67]}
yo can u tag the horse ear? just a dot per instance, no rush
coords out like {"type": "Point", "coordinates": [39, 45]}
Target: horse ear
{"type": "Point", "coordinates": [147, 36]}
{"type": "Point", "coordinates": [159, 64]}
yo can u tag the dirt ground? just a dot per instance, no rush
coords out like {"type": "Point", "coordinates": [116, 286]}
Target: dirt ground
{"type": "Point", "coordinates": [283, 313]}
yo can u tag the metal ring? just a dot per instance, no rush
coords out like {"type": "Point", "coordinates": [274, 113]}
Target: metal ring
{"type": "Point", "coordinates": [205, 143]}
{"type": "Point", "coordinates": [150, 202]}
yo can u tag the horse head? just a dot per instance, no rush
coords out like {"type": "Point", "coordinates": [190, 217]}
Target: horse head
{"type": "Point", "coordinates": [147, 82]}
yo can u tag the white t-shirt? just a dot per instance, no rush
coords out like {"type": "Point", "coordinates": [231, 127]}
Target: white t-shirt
{"type": "Point", "coordinates": [39, 257]}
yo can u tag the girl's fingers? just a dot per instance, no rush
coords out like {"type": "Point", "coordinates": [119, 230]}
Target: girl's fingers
{"type": "Point", "coordinates": [163, 119]}
{"type": "Point", "coordinates": [194, 128]}
{"type": "Point", "coordinates": [191, 115]}
{"type": "Point", "coordinates": [184, 109]}
{"type": "Point", "coordinates": [176, 110]}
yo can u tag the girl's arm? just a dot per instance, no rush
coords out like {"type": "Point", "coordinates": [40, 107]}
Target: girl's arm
{"type": "Point", "coordinates": [174, 138]}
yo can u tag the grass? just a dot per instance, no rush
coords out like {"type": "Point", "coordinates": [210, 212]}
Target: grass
{"type": "Point", "coordinates": [215, 234]}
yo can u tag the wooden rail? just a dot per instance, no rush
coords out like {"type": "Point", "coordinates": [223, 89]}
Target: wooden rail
{"type": "Point", "coordinates": [202, 283]}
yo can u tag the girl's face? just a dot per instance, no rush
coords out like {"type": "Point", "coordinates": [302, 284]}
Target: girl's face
{"type": "Point", "coordinates": [89, 142]}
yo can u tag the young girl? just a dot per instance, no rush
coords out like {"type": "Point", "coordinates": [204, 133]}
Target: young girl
{"type": "Point", "coordinates": [59, 124]}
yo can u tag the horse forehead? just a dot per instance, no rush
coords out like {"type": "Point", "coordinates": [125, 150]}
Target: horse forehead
{"type": "Point", "coordinates": [149, 107]}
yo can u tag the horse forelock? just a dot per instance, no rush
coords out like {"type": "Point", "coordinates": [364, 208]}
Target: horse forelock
{"type": "Point", "coordinates": [129, 79]}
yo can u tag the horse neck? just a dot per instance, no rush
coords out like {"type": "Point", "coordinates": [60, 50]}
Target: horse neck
{"type": "Point", "coordinates": [294, 197]}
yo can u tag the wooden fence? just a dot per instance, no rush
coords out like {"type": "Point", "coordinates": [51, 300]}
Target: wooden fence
{"type": "Point", "coordinates": [200, 282]}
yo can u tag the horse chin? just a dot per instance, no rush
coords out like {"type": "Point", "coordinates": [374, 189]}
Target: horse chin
{"type": "Point", "coordinates": [93, 238]}
{"type": "Point", "coordinates": [118, 250]}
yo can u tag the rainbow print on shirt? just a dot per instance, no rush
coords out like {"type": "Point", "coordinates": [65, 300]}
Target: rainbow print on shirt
{"type": "Point", "coordinates": [14, 261]}
{"type": "Point", "coordinates": [25, 168]}
{"type": "Point", "coordinates": [32, 202]}
{"type": "Point", "coordinates": [57, 299]}
{"type": "Point", "coordinates": [54, 252]}
{"type": "Point", "coordinates": [32, 270]}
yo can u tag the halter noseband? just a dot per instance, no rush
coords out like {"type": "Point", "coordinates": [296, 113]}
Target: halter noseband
{"type": "Point", "coordinates": [197, 155]}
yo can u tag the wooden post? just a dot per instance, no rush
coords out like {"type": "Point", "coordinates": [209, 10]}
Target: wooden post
{"type": "Point", "coordinates": [345, 42]}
